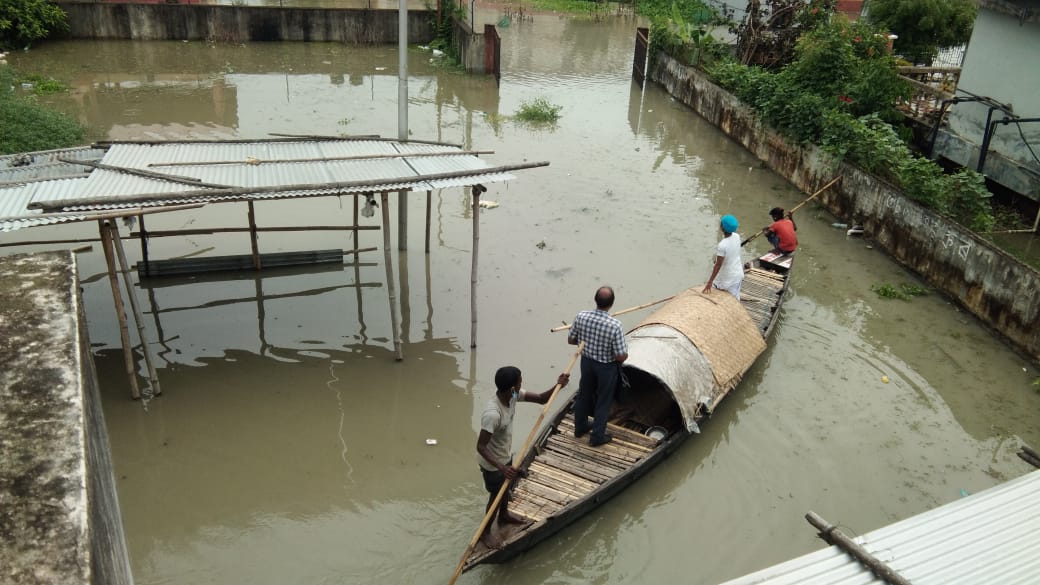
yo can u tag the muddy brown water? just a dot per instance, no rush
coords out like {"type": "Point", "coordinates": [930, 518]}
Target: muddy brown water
{"type": "Point", "coordinates": [290, 447]}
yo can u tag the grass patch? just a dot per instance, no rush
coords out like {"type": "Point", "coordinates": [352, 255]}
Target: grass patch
{"type": "Point", "coordinates": [903, 292]}
{"type": "Point", "coordinates": [27, 125]}
{"type": "Point", "coordinates": [572, 6]}
{"type": "Point", "coordinates": [539, 112]}
{"type": "Point", "coordinates": [43, 85]}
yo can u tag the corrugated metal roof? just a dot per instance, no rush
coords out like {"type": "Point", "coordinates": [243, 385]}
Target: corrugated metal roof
{"type": "Point", "coordinates": [989, 537]}
{"type": "Point", "coordinates": [226, 171]}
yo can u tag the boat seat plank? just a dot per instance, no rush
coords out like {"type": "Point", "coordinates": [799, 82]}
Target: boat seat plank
{"type": "Point", "coordinates": [555, 461]}
{"type": "Point", "coordinates": [551, 482]}
{"type": "Point", "coordinates": [542, 470]}
{"type": "Point", "coordinates": [567, 441]}
{"type": "Point", "coordinates": [560, 497]}
{"type": "Point", "coordinates": [632, 439]}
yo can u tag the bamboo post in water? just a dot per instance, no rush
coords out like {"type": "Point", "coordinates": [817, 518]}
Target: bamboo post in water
{"type": "Point", "coordinates": [429, 207]}
{"type": "Point", "coordinates": [130, 294]}
{"type": "Point", "coordinates": [252, 237]}
{"type": "Point", "coordinates": [476, 190]}
{"type": "Point", "coordinates": [384, 201]}
{"type": "Point", "coordinates": [117, 298]}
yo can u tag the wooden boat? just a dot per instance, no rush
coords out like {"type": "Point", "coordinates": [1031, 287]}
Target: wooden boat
{"type": "Point", "coordinates": [683, 360]}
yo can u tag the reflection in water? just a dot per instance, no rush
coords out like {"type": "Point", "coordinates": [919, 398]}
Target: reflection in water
{"type": "Point", "coordinates": [289, 446]}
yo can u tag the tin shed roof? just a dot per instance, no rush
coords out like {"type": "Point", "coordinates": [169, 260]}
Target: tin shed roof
{"type": "Point", "coordinates": [57, 186]}
{"type": "Point", "coordinates": [988, 537]}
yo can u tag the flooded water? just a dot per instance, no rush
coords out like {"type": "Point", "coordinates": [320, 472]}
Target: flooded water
{"type": "Point", "coordinates": [290, 447]}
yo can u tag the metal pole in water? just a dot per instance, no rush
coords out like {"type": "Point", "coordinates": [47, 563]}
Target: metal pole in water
{"type": "Point", "coordinates": [402, 115]}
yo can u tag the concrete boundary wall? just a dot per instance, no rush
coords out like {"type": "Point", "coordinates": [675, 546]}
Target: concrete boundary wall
{"type": "Point", "coordinates": [59, 514]}
{"type": "Point", "coordinates": [994, 286]}
{"type": "Point", "coordinates": [158, 22]}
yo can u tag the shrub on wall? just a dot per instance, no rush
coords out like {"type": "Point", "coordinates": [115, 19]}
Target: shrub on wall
{"type": "Point", "coordinates": [840, 93]}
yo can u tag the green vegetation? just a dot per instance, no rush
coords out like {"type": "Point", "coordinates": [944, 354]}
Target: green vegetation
{"type": "Point", "coordinates": [25, 125]}
{"type": "Point", "coordinates": [925, 26]}
{"type": "Point", "coordinates": [25, 21]}
{"type": "Point", "coordinates": [42, 85]}
{"type": "Point", "coordinates": [903, 291]}
{"type": "Point", "coordinates": [840, 92]}
{"type": "Point", "coordinates": [538, 112]}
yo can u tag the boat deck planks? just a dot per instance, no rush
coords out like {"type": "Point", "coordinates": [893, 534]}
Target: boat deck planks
{"type": "Point", "coordinates": [758, 294]}
{"type": "Point", "coordinates": [567, 469]}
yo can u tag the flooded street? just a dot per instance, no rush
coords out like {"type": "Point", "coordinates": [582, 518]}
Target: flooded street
{"type": "Point", "coordinates": [289, 447]}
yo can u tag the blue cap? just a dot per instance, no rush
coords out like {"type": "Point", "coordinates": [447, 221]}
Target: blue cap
{"type": "Point", "coordinates": [729, 224]}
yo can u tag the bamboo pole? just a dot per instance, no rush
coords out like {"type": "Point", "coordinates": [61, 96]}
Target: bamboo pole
{"type": "Point", "coordinates": [259, 161]}
{"type": "Point", "coordinates": [429, 211]}
{"type": "Point", "coordinates": [835, 537]}
{"type": "Point", "coordinates": [259, 230]}
{"type": "Point", "coordinates": [246, 193]}
{"type": "Point", "coordinates": [143, 240]}
{"type": "Point", "coordinates": [73, 216]}
{"type": "Point", "coordinates": [476, 190]}
{"type": "Point", "coordinates": [253, 246]}
{"type": "Point", "coordinates": [125, 270]}
{"type": "Point", "coordinates": [796, 207]}
{"type": "Point", "coordinates": [371, 138]}
{"type": "Point", "coordinates": [282, 138]}
{"type": "Point", "coordinates": [622, 312]}
{"type": "Point", "coordinates": [117, 298]}
{"type": "Point", "coordinates": [384, 199]}
{"type": "Point", "coordinates": [521, 457]}
{"type": "Point", "coordinates": [141, 173]}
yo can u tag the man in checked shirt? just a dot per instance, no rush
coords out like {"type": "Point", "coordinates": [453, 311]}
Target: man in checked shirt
{"type": "Point", "coordinates": [605, 349]}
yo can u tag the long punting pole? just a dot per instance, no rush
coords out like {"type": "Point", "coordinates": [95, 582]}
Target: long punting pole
{"type": "Point", "coordinates": [473, 271]}
{"type": "Point", "coordinates": [796, 207]}
{"type": "Point", "coordinates": [387, 259]}
{"type": "Point", "coordinates": [622, 312]}
{"type": "Point", "coordinates": [117, 298]}
{"type": "Point", "coordinates": [521, 457]}
{"type": "Point", "coordinates": [124, 269]}
{"type": "Point", "coordinates": [832, 535]}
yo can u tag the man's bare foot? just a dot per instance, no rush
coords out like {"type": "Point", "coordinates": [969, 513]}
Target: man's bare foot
{"type": "Point", "coordinates": [491, 541]}
{"type": "Point", "coordinates": [509, 518]}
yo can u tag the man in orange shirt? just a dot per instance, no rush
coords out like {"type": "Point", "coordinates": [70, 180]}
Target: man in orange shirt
{"type": "Point", "coordinates": [781, 233]}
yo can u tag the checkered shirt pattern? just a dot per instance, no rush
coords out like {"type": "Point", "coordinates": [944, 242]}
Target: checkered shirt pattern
{"type": "Point", "coordinates": [603, 336]}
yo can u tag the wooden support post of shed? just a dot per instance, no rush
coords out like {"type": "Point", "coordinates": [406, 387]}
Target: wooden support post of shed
{"type": "Point", "coordinates": [124, 269]}
{"type": "Point", "coordinates": [476, 190]}
{"type": "Point", "coordinates": [117, 298]}
{"type": "Point", "coordinates": [252, 237]}
{"type": "Point", "coordinates": [429, 205]}
{"type": "Point", "coordinates": [384, 200]}
{"type": "Point", "coordinates": [144, 245]}
{"type": "Point", "coordinates": [357, 244]}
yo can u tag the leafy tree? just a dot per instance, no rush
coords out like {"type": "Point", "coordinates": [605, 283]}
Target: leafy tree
{"type": "Point", "coordinates": [24, 21]}
{"type": "Point", "coordinates": [924, 26]}
{"type": "Point", "coordinates": [848, 65]}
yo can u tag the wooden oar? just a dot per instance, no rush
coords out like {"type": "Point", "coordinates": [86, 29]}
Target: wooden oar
{"type": "Point", "coordinates": [505, 485]}
{"type": "Point", "coordinates": [796, 207]}
{"type": "Point", "coordinates": [622, 312]}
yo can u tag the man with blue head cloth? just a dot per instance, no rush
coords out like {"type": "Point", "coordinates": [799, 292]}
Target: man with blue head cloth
{"type": "Point", "coordinates": [728, 271]}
